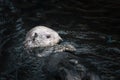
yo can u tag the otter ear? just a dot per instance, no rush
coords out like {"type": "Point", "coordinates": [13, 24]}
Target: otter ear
{"type": "Point", "coordinates": [35, 35]}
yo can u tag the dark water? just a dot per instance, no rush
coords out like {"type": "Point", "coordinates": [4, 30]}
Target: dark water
{"type": "Point", "coordinates": [94, 41]}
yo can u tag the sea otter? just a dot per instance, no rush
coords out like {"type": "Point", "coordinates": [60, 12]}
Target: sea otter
{"type": "Point", "coordinates": [43, 41]}
{"type": "Point", "coordinates": [54, 60]}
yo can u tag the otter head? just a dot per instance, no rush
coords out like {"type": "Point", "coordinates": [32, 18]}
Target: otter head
{"type": "Point", "coordinates": [41, 36]}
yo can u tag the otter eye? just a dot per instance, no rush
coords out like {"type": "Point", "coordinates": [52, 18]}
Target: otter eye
{"type": "Point", "coordinates": [48, 36]}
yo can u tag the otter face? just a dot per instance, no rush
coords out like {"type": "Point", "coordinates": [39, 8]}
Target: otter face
{"type": "Point", "coordinates": [41, 36]}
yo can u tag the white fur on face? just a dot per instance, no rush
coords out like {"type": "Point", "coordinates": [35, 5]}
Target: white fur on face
{"type": "Point", "coordinates": [41, 36]}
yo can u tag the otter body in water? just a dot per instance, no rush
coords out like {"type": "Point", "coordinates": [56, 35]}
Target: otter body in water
{"type": "Point", "coordinates": [54, 61]}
